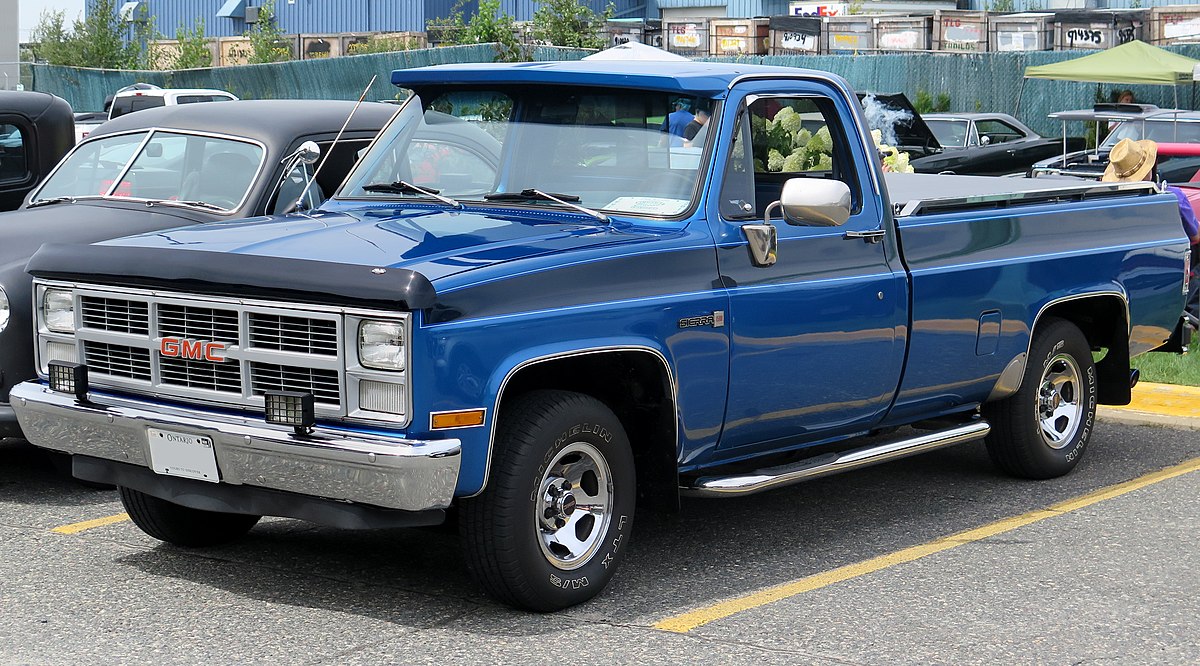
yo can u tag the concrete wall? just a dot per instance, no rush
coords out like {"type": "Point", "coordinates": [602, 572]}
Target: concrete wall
{"type": "Point", "coordinates": [10, 50]}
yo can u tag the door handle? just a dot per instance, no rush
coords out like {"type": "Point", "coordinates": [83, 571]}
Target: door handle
{"type": "Point", "coordinates": [872, 236]}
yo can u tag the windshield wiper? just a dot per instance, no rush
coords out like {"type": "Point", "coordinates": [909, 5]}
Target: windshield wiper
{"type": "Point", "coordinates": [50, 201]}
{"type": "Point", "coordinates": [532, 194]}
{"type": "Point", "coordinates": [405, 187]}
{"type": "Point", "coordinates": [175, 202]}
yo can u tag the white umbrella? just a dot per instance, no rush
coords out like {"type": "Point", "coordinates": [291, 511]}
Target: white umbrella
{"type": "Point", "coordinates": [634, 51]}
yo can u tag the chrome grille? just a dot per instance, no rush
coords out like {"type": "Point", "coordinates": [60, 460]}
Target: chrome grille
{"type": "Point", "coordinates": [186, 321]}
{"type": "Point", "coordinates": [262, 346]}
{"type": "Point", "coordinates": [117, 315]}
{"type": "Point", "coordinates": [323, 384]}
{"type": "Point", "coordinates": [293, 334]}
{"type": "Point", "coordinates": [117, 360]}
{"type": "Point", "coordinates": [201, 374]}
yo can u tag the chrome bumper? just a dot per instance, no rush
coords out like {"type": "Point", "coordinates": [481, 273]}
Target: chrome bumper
{"type": "Point", "coordinates": [411, 475]}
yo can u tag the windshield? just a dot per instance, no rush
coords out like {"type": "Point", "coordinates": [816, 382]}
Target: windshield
{"type": "Point", "coordinates": [618, 151]}
{"type": "Point", "coordinates": [949, 133]}
{"type": "Point", "coordinates": [1161, 131]}
{"type": "Point", "coordinates": [158, 165]}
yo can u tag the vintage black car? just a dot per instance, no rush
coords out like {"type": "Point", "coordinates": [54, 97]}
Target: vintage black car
{"type": "Point", "coordinates": [987, 144]}
{"type": "Point", "coordinates": [170, 167]}
{"type": "Point", "coordinates": [36, 130]}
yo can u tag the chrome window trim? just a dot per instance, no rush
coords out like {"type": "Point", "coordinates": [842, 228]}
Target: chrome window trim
{"type": "Point", "coordinates": [345, 363]}
{"type": "Point", "coordinates": [487, 471]}
{"type": "Point", "coordinates": [150, 131]}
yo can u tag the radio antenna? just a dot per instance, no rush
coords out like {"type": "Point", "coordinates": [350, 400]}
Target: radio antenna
{"type": "Point", "coordinates": [336, 139]}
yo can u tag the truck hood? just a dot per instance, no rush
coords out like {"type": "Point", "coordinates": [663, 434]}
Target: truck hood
{"type": "Point", "coordinates": [22, 232]}
{"type": "Point", "coordinates": [436, 243]}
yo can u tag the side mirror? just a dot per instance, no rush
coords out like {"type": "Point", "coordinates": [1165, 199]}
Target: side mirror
{"type": "Point", "coordinates": [154, 150]}
{"type": "Point", "coordinates": [812, 202]}
{"type": "Point", "coordinates": [985, 140]}
{"type": "Point", "coordinates": [308, 153]}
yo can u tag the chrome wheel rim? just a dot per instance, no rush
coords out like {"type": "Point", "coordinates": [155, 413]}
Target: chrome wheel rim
{"type": "Point", "coordinates": [574, 505]}
{"type": "Point", "coordinates": [1060, 404]}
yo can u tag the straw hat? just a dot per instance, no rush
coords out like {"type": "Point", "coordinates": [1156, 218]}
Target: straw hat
{"type": "Point", "coordinates": [1130, 161]}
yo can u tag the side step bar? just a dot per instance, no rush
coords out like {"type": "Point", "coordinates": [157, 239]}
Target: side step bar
{"type": "Point", "coordinates": [832, 463]}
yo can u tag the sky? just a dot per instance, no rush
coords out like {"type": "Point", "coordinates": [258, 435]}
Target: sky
{"type": "Point", "coordinates": [31, 10]}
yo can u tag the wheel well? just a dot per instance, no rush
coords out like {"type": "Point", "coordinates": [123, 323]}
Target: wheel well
{"type": "Point", "coordinates": [1103, 321]}
{"type": "Point", "coordinates": [636, 386]}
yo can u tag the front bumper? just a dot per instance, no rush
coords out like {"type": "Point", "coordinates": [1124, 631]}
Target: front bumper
{"type": "Point", "coordinates": [393, 473]}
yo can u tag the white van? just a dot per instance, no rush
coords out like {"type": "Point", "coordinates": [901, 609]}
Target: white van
{"type": "Point", "coordinates": [128, 101]}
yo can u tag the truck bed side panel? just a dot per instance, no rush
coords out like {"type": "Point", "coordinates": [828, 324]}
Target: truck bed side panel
{"type": "Point", "coordinates": [979, 280]}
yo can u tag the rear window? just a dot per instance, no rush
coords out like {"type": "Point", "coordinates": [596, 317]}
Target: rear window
{"type": "Point", "coordinates": [193, 99]}
{"type": "Point", "coordinates": [124, 105]}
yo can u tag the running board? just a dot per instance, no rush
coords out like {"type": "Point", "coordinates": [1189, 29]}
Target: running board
{"type": "Point", "coordinates": [832, 463]}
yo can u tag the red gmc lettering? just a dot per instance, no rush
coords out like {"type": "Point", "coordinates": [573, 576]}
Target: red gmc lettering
{"type": "Point", "coordinates": [193, 349]}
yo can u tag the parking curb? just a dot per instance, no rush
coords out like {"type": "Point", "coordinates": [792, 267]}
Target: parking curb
{"type": "Point", "coordinates": [1158, 404]}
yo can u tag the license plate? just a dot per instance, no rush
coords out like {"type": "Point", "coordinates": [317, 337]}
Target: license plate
{"type": "Point", "coordinates": [183, 454]}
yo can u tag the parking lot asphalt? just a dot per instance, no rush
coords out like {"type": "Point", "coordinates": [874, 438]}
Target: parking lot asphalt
{"type": "Point", "coordinates": [1109, 578]}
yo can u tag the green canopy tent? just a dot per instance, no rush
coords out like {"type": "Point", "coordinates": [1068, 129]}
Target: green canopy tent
{"type": "Point", "coordinates": [1131, 63]}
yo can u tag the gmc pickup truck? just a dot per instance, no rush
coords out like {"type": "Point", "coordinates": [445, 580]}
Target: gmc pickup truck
{"type": "Point", "coordinates": [531, 334]}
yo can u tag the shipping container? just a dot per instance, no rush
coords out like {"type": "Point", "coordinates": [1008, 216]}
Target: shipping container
{"type": "Point", "coordinates": [903, 33]}
{"type": "Point", "coordinates": [642, 31]}
{"type": "Point", "coordinates": [1174, 24]}
{"type": "Point", "coordinates": [320, 46]}
{"type": "Point", "coordinates": [794, 35]}
{"type": "Point", "coordinates": [960, 31]}
{"type": "Point", "coordinates": [1028, 31]}
{"type": "Point", "coordinates": [848, 34]}
{"type": "Point", "coordinates": [738, 36]}
{"type": "Point", "coordinates": [1097, 29]}
{"type": "Point", "coordinates": [687, 37]}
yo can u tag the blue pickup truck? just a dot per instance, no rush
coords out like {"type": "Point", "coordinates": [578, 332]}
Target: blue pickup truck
{"type": "Point", "coordinates": [534, 328]}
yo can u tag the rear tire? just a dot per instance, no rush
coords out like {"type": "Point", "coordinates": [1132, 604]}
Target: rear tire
{"type": "Point", "coordinates": [1042, 430]}
{"type": "Point", "coordinates": [181, 525]}
{"type": "Point", "coordinates": [550, 528]}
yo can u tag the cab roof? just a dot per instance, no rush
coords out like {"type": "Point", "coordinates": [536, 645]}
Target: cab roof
{"type": "Point", "coordinates": [705, 79]}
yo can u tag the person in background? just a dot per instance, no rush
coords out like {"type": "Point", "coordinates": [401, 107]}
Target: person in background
{"type": "Point", "coordinates": [677, 121]}
{"type": "Point", "coordinates": [1126, 97]}
{"type": "Point", "coordinates": [695, 128]}
{"type": "Point", "coordinates": [1132, 161]}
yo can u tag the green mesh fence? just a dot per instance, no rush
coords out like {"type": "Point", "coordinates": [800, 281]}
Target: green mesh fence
{"type": "Point", "coordinates": [974, 82]}
{"type": "Point", "coordinates": [984, 81]}
{"type": "Point", "coordinates": [327, 78]}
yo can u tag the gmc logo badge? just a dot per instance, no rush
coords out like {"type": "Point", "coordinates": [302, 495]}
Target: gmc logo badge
{"type": "Point", "coordinates": [196, 350]}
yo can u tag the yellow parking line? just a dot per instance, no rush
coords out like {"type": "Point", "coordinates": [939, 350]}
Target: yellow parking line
{"type": "Point", "coordinates": [702, 616]}
{"type": "Point", "coordinates": [75, 528]}
{"type": "Point", "coordinates": [1165, 399]}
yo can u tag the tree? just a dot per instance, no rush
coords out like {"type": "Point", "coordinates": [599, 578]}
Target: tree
{"type": "Point", "coordinates": [489, 24]}
{"type": "Point", "coordinates": [193, 47]}
{"type": "Point", "coordinates": [569, 23]}
{"type": "Point", "coordinates": [266, 39]}
{"type": "Point", "coordinates": [96, 40]}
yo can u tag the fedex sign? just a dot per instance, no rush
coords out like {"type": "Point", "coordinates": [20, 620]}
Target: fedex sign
{"type": "Point", "coordinates": [820, 9]}
{"type": "Point", "coordinates": [195, 350]}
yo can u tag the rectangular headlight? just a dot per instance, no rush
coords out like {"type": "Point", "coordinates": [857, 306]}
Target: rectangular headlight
{"type": "Point", "coordinates": [58, 310]}
{"type": "Point", "coordinates": [381, 345]}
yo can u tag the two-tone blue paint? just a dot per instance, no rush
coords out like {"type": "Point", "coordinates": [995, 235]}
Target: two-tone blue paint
{"type": "Point", "coordinates": [836, 339]}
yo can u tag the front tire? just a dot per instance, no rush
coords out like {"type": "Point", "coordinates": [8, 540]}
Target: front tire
{"type": "Point", "coordinates": [1042, 430]}
{"type": "Point", "coordinates": [181, 525]}
{"type": "Point", "coordinates": [554, 520]}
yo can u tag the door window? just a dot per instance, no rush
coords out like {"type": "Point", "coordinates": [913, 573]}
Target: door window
{"type": "Point", "coordinates": [789, 137]}
{"type": "Point", "coordinates": [997, 131]}
{"type": "Point", "coordinates": [13, 165]}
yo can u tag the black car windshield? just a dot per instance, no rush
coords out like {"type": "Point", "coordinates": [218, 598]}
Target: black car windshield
{"type": "Point", "coordinates": [949, 133]}
{"type": "Point", "coordinates": [158, 165]}
{"type": "Point", "coordinates": [619, 151]}
{"type": "Point", "coordinates": [1161, 130]}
